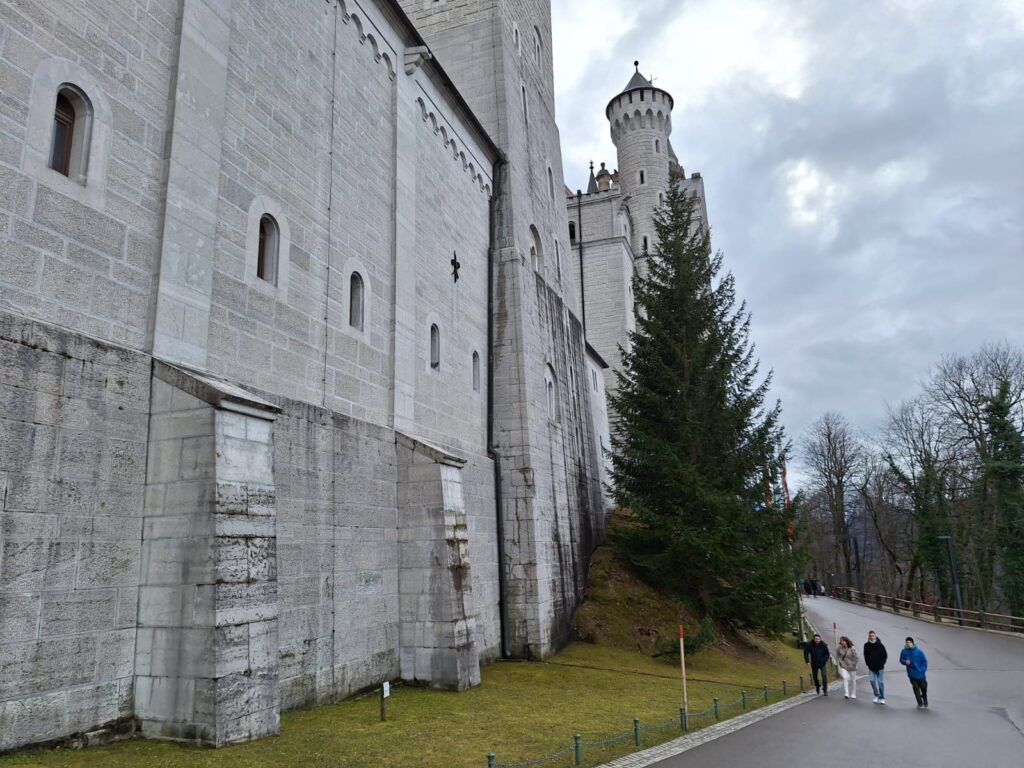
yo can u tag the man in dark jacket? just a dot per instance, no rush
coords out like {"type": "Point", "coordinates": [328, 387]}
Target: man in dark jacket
{"type": "Point", "coordinates": [875, 657]}
{"type": "Point", "coordinates": [817, 655]}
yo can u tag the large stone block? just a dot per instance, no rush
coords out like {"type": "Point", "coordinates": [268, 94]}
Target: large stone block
{"type": "Point", "coordinates": [73, 219]}
{"type": "Point", "coordinates": [70, 613]}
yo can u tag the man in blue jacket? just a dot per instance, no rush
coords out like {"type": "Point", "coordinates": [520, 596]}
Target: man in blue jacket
{"type": "Point", "coordinates": [916, 662]}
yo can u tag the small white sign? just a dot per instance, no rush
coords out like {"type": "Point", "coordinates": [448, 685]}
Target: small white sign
{"type": "Point", "coordinates": [387, 689]}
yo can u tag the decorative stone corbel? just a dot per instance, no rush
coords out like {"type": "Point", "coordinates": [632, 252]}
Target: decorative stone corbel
{"type": "Point", "coordinates": [415, 56]}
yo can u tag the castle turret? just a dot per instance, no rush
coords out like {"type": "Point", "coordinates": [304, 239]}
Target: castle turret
{"type": "Point", "coordinates": [641, 122]}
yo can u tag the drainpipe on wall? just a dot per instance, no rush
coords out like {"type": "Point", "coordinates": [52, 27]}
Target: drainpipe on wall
{"type": "Point", "coordinates": [492, 448]}
{"type": "Point", "coordinates": [579, 240]}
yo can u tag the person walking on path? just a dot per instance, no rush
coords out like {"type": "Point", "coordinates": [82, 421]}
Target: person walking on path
{"type": "Point", "coordinates": [847, 659]}
{"type": "Point", "coordinates": [816, 654]}
{"type": "Point", "coordinates": [916, 662]}
{"type": "Point", "coordinates": [875, 657]}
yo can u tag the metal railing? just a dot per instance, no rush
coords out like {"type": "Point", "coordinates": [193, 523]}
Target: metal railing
{"type": "Point", "coordinates": [686, 722]}
{"type": "Point", "coordinates": [938, 613]}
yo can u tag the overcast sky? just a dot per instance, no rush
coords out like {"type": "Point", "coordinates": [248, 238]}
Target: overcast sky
{"type": "Point", "coordinates": [864, 169]}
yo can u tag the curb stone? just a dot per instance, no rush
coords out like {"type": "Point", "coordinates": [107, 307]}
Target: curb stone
{"type": "Point", "coordinates": [675, 747]}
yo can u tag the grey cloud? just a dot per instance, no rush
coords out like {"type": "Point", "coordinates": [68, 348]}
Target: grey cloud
{"type": "Point", "coordinates": [933, 265]}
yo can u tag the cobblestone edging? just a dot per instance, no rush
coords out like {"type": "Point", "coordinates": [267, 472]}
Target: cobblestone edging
{"type": "Point", "coordinates": [675, 747]}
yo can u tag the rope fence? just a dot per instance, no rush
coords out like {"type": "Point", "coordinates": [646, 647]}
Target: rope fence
{"type": "Point", "coordinates": [686, 722]}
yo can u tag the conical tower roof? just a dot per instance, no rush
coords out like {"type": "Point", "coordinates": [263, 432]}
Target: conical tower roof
{"type": "Point", "coordinates": [638, 82]}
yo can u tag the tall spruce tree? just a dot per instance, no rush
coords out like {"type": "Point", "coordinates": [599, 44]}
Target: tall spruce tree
{"type": "Point", "coordinates": [697, 452]}
{"type": "Point", "coordinates": [1004, 468]}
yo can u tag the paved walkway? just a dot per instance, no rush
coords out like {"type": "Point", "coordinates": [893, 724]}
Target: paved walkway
{"type": "Point", "coordinates": [976, 717]}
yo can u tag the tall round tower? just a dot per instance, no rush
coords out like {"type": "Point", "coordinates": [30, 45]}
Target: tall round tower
{"type": "Point", "coordinates": [641, 121]}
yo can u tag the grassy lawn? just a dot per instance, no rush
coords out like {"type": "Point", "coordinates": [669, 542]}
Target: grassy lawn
{"type": "Point", "coordinates": [521, 711]}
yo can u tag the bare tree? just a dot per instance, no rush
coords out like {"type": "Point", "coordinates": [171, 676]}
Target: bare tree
{"type": "Point", "coordinates": [889, 523]}
{"type": "Point", "coordinates": [835, 458]}
{"type": "Point", "coordinates": [959, 390]}
{"type": "Point", "coordinates": [960, 386]}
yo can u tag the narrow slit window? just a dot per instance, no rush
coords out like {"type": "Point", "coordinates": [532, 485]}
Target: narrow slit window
{"type": "Point", "coordinates": [63, 132]}
{"type": "Point", "coordinates": [551, 392]}
{"type": "Point", "coordinates": [657, 146]}
{"type": "Point", "coordinates": [355, 301]}
{"type": "Point", "coordinates": [476, 371]}
{"type": "Point", "coordinates": [594, 376]}
{"type": "Point", "coordinates": [526, 111]}
{"type": "Point", "coordinates": [536, 251]}
{"type": "Point", "coordinates": [645, 243]}
{"type": "Point", "coordinates": [642, 178]}
{"type": "Point", "coordinates": [572, 231]}
{"type": "Point", "coordinates": [558, 260]}
{"type": "Point", "coordinates": [536, 45]}
{"type": "Point", "coordinates": [435, 347]}
{"type": "Point", "coordinates": [266, 257]}
{"type": "Point", "coordinates": [551, 184]}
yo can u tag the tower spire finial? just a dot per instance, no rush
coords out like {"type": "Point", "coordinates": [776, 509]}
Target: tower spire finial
{"type": "Point", "coordinates": [591, 165]}
{"type": "Point", "coordinates": [637, 65]}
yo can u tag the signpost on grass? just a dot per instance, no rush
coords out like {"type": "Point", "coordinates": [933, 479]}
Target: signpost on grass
{"type": "Point", "coordinates": [385, 694]}
{"type": "Point", "coordinates": [682, 667]}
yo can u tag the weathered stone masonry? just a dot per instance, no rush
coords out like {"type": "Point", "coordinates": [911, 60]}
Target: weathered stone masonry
{"type": "Point", "coordinates": [220, 496]}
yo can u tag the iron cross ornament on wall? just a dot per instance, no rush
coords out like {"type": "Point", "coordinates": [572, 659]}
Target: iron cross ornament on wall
{"type": "Point", "coordinates": [455, 266]}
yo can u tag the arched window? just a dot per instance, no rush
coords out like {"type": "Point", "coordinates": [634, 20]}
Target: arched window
{"type": "Point", "coordinates": [645, 243]}
{"type": "Point", "coordinates": [515, 38]}
{"type": "Point", "coordinates": [642, 178]}
{"type": "Point", "coordinates": [572, 231]}
{"type": "Point", "coordinates": [551, 184]}
{"type": "Point", "coordinates": [536, 252]}
{"type": "Point", "coordinates": [72, 126]}
{"type": "Point", "coordinates": [536, 45]}
{"type": "Point", "coordinates": [657, 146]}
{"type": "Point", "coordinates": [593, 375]}
{"type": "Point", "coordinates": [551, 392]}
{"type": "Point", "coordinates": [266, 256]}
{"type": "Point", "coordinates": [435, 347]}
{"type": "Point", "coordinates": [476, 371]}
{"type": "Point", "coordinates": [355, 301]}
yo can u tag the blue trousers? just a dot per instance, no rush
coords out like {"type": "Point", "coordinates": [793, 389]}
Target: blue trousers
{"type": "Point", "coordinates": [877, 682]}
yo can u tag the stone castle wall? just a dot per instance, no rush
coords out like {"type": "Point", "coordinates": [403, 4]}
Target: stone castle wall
{"type": "Point", "coordinates": [73, 429]}
{"type": "Point", "coordinates": [307, 508]}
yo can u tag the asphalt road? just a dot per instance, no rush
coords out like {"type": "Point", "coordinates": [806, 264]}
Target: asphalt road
{"type": "Point", "coordinates": [975, 718]}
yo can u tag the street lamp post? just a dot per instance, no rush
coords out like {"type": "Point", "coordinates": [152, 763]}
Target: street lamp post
{"type": "Point", "coordinates": [956, 578]}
